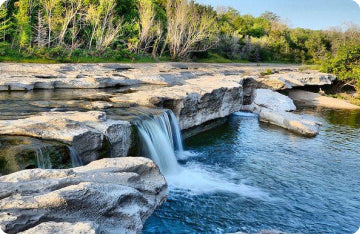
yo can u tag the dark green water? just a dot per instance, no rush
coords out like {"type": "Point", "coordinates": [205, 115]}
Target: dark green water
{"type": "Point", "coordinates": [267, 178]}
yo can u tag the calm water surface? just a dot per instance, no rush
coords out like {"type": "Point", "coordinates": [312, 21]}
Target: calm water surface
{"type": "Point", "coordinates": [266, 178]}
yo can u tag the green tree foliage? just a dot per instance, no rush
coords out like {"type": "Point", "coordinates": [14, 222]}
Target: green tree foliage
{"type": "Point", "coordinates": [4, 22]}
{"type": "Point", "coordinates": [23, 23]}
{"type": "Point", "coordinates": [346, 64]}
{"type": "Point", "coordinates": [179, 29]}
{"type": "Point", "coordinates": [190, 28]}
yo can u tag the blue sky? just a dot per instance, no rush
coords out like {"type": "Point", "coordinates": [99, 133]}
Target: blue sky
{"type": "Point", "coordinates": [315, 14]}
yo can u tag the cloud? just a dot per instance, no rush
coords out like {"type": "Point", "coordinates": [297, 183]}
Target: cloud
{"type": "Point", "coordinates": [357, 1]}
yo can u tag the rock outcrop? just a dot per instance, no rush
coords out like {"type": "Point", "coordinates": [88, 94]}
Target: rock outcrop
{"type": "Point", "coordinates": [24, 77]}
{"type": "Point", "coordinates": [198, 100]}
{"type": "Point", "coordinates": [89, 133]}
{"type": "Point", "coordinates": [275, 108]}
{"type": "Point", "coordinates": [305, 98]}
{"type": "Point", "coordinates": [106, 196]}
{"type": "Point", "coordinates": [292, 79]}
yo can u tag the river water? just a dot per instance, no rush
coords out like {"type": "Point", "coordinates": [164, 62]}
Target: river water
{"type": "Point", "coordinates": [248, 176]}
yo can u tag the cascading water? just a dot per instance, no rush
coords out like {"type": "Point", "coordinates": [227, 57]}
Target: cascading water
{"type": "Point", "coordinates": [43, 159]}
{"type": "Point", "coordinates": [44, 162]}
{"type": "Point", "coordinates": [160, 139]}
{"type": "Point", "coordinates": [75, 159]}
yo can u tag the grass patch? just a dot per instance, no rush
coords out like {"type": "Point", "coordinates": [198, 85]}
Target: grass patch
{"type": "Point", "coordinates": [216, 58]}
{"type": "Point", "coordinates": [315, 67]}
{"type": "Point", "coordinates": [266, 72]}
{"type": "Point", "coordinates": [349, 97]}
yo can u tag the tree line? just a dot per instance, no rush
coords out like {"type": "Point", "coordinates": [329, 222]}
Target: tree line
{"type": "Point", "coordinates": [170, 29]}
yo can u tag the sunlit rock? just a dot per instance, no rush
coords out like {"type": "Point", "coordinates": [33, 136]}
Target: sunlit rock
{"type": "Point", "coordinates": [106, 196]}
{"type": "Point", "coordinates": [292, 79]}
{"type": "Point", "coordinates": [275, 108]}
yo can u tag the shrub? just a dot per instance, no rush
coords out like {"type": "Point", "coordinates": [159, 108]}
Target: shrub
{"type": "Point", "coordinates": [345, 64]}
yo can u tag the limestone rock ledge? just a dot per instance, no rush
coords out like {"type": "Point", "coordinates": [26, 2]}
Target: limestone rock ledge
{"type": "Point", "coordinates": [198, 100]}
{"type": "Point", "coordinates": [87, 132]}
{"type": "Point", "coordinates": [275, 108]}
{"type": "Point", "coordinates": [291, 79]}
{"type": "Point", "coordinates": [106, 196]}
{"type": "Point", "coordinates": [304, 98]}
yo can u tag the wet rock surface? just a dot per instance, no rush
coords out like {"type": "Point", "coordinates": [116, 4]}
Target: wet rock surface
{"type": "Point", "coordinates": [19, 153]}
{"type": "Point", "coordinates": [106, 196]}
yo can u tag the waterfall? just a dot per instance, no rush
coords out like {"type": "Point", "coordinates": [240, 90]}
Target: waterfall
{"type": "Point", "coordinates": [160, 137]}
{"type": "Point", "coordinates": [177, 138]}
{"type": "Point", "coordinates": [43, 159]}
{"type": "Point", "coordinates": [75, 159]}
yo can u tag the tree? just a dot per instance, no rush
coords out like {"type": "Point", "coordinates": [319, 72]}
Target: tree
{"type": "Point", "coordinates": [105, 25]}
{"type": "Point", "coordinates": [4, 22]}
{"type": "Point", "coordinates": [189, 29]}
{"type": "Point", "coordinates": [72, 7]}
{"type": "Point", "coordinates": [40, 31]}
{"type": "Point", "coordinates": [270, 16]}
{"type": "Point", "coordinates": [346, 65]}
{"type": "Point", "coordinates": [50, 7]}
{"type": "Point", "coordinates": [23, 23]}
{"type": "Point", "coordinates": [147, 25]}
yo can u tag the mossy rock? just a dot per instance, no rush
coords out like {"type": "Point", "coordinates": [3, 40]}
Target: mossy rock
{"type": "Point", "coordinates": [19, 153]}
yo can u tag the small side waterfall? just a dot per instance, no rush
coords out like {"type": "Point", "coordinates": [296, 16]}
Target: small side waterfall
{"type": "Point", "coordinates": [160, 138]}
{"type": "Point", "coordinates": [75, 159]}
{"type": "Point", "coordinates": [43, 159]}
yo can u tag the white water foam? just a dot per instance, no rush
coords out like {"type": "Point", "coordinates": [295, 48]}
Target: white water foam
{"type": "Point", "coordinates": [245, 114]}
{"type": "Point", "coordinates": [196, 179]}
{"type": "Point", "coordinates": [161, 140]}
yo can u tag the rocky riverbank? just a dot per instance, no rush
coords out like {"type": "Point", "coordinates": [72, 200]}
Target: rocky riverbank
{"type": "Point", "coordinates": [69, 104]}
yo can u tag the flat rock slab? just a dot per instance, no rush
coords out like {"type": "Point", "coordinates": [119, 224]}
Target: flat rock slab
{"type": "Point", "coordinates": [291, 79]}
{"type": "Point", "coordinates": [106, 196]}
{"type": "Point", "coordinates": [23, 77]}
{"type": "Point", "coordinates": [305, 98]}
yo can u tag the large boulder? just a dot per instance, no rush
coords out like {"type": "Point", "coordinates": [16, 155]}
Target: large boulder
{"type": "Point", "coordinates": [106, 196]}
{"type": "Point", "coordinates": [295, 123]}
{"type": "Point", "coordinates": [275, 108]}
{"type": "Point", "coordinates": [273, 100]}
